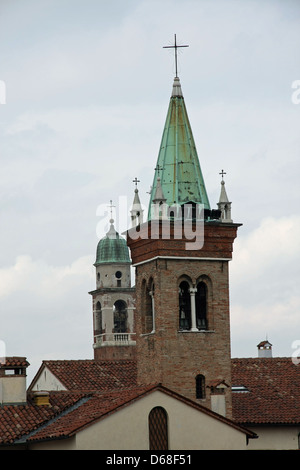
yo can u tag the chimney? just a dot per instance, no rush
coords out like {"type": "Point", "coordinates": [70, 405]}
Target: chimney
{"type": "Point", "coordinates": [217, 397]}
{"type": "Point", "coordinates": [264, 349]}
{"type": "Point", "coordinates": [13, 380]}
{"type": "Point", "coordinates": [41, 397]}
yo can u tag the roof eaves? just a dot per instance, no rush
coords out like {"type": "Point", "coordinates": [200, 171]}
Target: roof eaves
{"type": "Point", "coordinates": [209, 412]}
{"type": "Point", "coordinates": [114, 409]}
{"type": "Point", "coordinates": [30, 436]}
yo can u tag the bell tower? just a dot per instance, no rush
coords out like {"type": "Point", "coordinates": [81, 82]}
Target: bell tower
{"type": "Point", "coordinates": [181, 256]}
{"type": "Point", "coordinates": [113, 300]}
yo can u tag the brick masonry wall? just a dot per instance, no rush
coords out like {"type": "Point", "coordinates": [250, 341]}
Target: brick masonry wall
{"type": "Point", "coordinates": [115, 353]}
{"type": "Point", "coordinates": [173, 357]}
{"type": "Point", "coordinates": [217, 242]}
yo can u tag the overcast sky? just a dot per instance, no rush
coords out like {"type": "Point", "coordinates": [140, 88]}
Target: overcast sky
{"type": "Point", "coordinates": [87, 91]}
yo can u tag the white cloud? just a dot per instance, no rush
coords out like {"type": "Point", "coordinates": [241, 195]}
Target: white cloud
{"type": "Point", "coordinates": [265, 279]}
{"type": "Point", "coordinates": [87, 95]}
{"type": "Point", "coordinates": [45, 310]}
{"type": "Point", "coordinates": [44, 281]}
{"type": "Point", "coordinates": [267, 250]}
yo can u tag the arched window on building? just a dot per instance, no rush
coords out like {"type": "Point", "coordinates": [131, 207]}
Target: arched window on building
{"type": "Point", "coordinates": [158, 429]}
{"type": "Point", "coordinates": [201, 306]}
{"type": "Point", "coordinates": [150, 326]}
{"type": "Point", "coordinates": [98, 319]}
{"type": "Point", "coordinates": [184, 306]}
{"type": "Point", "coordinates": [200, 386]}
{"type": "Point", "coordinates": [120, 316]}
{"type": "Point", "coordinates": [147, 313]}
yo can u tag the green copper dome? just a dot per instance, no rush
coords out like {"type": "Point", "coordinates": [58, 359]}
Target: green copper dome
{"type": "Point", "coordinates": [179, 173]}
{"type": "Point", "coordinates": [112, 249]}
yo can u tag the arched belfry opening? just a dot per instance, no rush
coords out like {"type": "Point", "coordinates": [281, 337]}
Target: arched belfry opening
{"type": "Point", "coordinates": [201, 306]}
{"type": "Point", "coordinates": [185, 322]}
{"type": "Point", "coordinates": [120, 316]}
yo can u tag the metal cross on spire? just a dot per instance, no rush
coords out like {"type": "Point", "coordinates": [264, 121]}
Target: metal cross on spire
{"type": "Point", "coordinates": [136, 181]}
{"type": "Point", "coordinates": [158, 168]}
{"type": "Point", "coordinates": [222, 173]}
{"type": "Point", "coordinates": [175, 47]}
{"type": "Point", "coordinates": [111, 208]}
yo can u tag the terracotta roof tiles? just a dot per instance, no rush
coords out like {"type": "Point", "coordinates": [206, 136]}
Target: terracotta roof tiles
{"type": "Point", "coordinates": [19, 420]}
{"type": "Point", "coordinates": [273, 395]}
{"type": "Point", "coordinates": [92, 375]}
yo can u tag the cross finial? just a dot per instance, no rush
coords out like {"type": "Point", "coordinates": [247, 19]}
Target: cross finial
{"type": "Point", "coordinates": [158, 168]}
{"type": "Point", "coordinates": [111, 208]}
{"type": "Point", "coordinates": [136, 181]}
{"type": "Point", "coordinates": [222, 173]}
{"type": "Point", "coordinates": [175, 47]}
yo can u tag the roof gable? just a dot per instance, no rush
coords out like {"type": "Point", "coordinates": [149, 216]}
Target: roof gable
{"type": "Point", "coordinates": [100, 405]}
{"type": "Point", "coordinates": [90, 375]}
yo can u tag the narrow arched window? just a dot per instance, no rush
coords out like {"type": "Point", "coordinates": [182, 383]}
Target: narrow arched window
{"type": "Point", "coordinates": [150, 308]}
{"type": "Point", "coordinates": [147, 311]}
{"type": "Point", "coordinates": [201, 306]}
{"type": "Point", "coordinates": [200, 386]}
{"type": "Point", "coordinates": [98, 319]}
{"type": "Point", "coordinates": [120, 316]}
{"type": "Point", "coordinates": [158, 429]}
{"type": "Point", "coordinates": [184, 306]}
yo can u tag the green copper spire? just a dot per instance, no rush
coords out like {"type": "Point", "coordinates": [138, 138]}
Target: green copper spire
{"type": "Point", "coordinates": [178, 169]}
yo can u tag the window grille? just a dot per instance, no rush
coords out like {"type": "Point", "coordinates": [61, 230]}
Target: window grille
{"type": "Point", "coordinates": [158, 429]}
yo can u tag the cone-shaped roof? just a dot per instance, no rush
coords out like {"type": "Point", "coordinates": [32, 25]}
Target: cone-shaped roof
{"type": "Point", "coordinates": [223, 195]}
{"type": "Point", "coordinates": [178, 165]}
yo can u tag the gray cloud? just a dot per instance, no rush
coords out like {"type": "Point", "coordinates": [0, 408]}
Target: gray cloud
{"type": "Point", "coordinates": [87, 95]}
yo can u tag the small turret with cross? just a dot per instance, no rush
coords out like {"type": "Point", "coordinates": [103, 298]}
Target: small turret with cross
{"type": "Point", "coordinates": [136, 209]}
{"type": "Point", "coordinates": [224, 205]}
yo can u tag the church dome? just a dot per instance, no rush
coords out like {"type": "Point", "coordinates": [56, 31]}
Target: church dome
{"type": "Point", "coordinates": [112, 248]}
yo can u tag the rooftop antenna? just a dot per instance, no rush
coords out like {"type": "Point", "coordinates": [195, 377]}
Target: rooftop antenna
{"type": "Point", "coordinates": [175, 47]}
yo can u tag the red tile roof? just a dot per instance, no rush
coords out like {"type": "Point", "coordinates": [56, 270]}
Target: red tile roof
{"type": "Point", "coordinates": [91, 375]}
{"type": "Point", "coordinates": [19, 420]}
{"type": "Point", "coordinates": [274, 391]}
{"type": "Point", "coordinates": [102, 404]}
{"type": "Point", "coordinates": [273, 397]}
{"type": "Point", "coordinates": [71, 412]}
{"type": "Point", "coordinates": [15, 361]}
{"type": "Point", "coordinates": [91, 409]}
